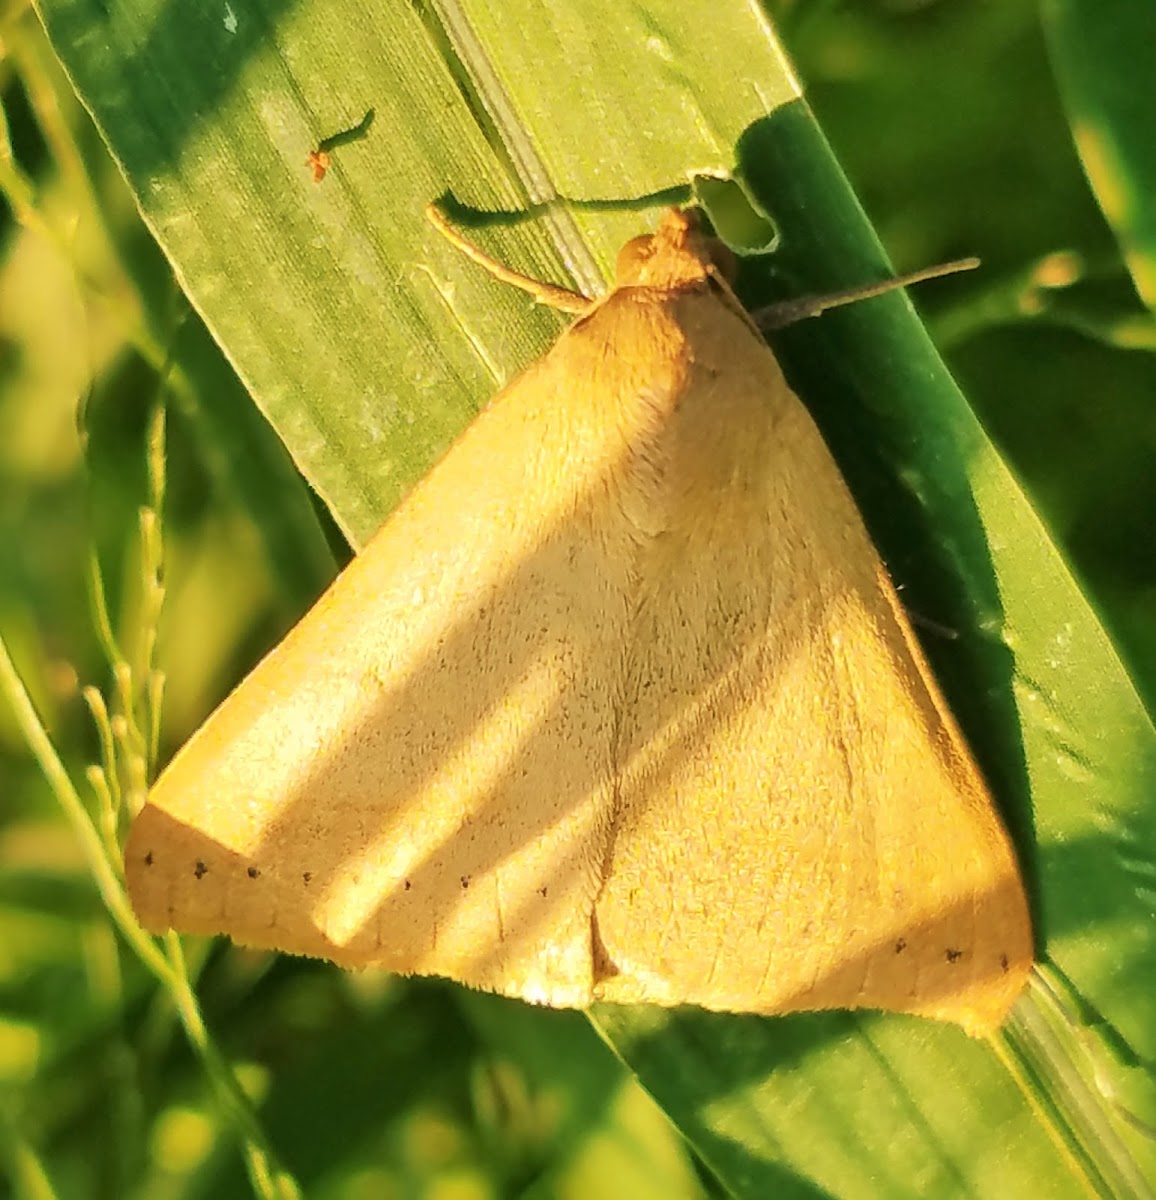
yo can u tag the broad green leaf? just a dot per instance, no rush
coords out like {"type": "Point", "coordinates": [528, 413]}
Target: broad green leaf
{"type": "Point", "coordinates": [368, 343]}
{"type": "Point", "coordinates": [1103, 56]}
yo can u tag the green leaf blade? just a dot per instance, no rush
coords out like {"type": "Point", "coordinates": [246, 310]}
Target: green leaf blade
{"type": "Point", "coordinates": [1102, 54]}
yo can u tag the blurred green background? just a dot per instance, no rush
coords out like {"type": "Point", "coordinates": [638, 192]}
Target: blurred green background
{"type": "Point", "coordinates": [950, 119]}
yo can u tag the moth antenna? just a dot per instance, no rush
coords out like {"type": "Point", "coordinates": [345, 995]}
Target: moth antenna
{"type": "Point", "coordinates": [549, 294]}
{"type": "Point", "coordinates": [787, 312]}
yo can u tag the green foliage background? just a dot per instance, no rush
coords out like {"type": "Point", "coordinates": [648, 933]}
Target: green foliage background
{"type": "Point", "coordinates": [1014, 131]}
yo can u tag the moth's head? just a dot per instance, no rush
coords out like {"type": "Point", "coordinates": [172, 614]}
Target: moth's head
{"type": "Point", "coordinates": [677, 254]}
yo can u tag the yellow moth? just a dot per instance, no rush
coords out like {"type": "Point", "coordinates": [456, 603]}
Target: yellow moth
{"type": "Point", "coordinates": [618, 705]}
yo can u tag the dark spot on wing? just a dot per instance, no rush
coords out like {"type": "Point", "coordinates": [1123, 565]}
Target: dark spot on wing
{"type": "Point", "coordinates": [307, 877]}
{"type": "Point", "coordinates": [604, 966]}
{"type": "Point", "coordinates": [148, 859]}
{"type": "Point", "coordinates": [900, 945]}
{"type": "Point", "coordinates": [953, 956]}
{"type": "Point", "coordinates": [253, 872]}
{"type": "Point", "coordinates": [200, 870]}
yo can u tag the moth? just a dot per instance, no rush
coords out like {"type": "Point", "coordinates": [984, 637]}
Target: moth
{"type": "Point", "coordinates": [620, 704]}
